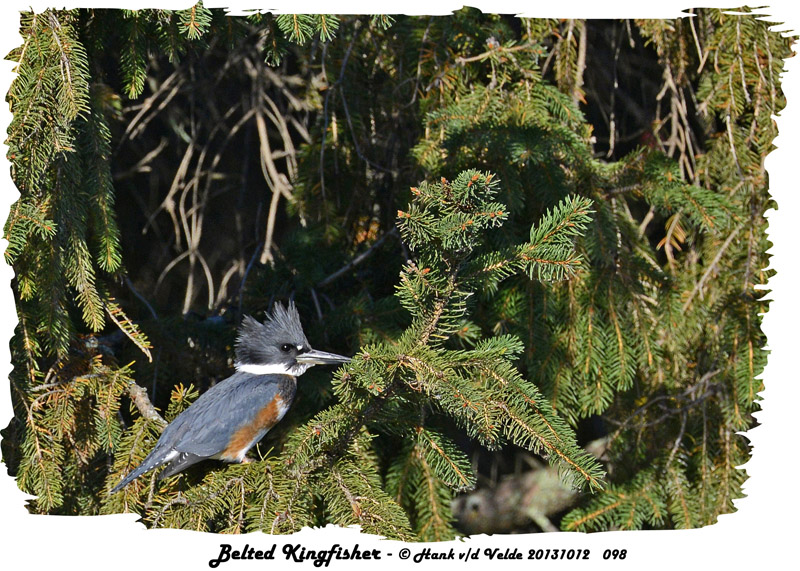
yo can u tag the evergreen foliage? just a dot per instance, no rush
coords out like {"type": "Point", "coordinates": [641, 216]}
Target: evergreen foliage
{"type": "Point", "coordinates": [607, 280]}
{"type": "Point", "coordinates": [396, 390]}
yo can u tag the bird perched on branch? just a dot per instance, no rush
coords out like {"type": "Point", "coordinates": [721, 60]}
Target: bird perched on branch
{"type": "Point", "coordinates": [233, 415]}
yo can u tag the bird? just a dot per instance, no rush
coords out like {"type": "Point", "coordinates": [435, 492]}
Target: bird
{"type": "Point", "coordinates": [233, 415]}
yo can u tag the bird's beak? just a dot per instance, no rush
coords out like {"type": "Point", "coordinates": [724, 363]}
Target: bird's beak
{"type": "Point", "coordinates": [314, 357]}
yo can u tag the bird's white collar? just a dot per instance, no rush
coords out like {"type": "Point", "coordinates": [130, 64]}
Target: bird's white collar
{"type": "Point", "coordinates": [273, 368]}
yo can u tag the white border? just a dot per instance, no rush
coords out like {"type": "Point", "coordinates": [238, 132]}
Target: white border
{"type": "Point", "coordinates": [761, 531]}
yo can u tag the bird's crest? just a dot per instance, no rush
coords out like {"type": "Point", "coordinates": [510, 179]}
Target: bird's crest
{"type": "Point", "coordinates": [282, 326]}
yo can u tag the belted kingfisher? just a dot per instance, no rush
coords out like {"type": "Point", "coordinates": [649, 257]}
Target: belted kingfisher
{"type": "Point", "coordinates": [233, 415]}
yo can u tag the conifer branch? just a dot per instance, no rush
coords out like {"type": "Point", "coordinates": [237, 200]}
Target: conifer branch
{"type": "Point", "coordinates": [591, 479]}
{"type": "Point", "coordinates": [129, 328]}
{"type": "Point", "coordinates": [437, 521]}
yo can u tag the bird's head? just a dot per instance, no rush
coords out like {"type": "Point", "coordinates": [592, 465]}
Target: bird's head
{"type": "Point", "coordinates": [278, 346]}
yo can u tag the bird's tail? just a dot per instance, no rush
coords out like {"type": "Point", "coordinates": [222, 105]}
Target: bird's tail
{"type": "Point", "coordinates": [153, 460]}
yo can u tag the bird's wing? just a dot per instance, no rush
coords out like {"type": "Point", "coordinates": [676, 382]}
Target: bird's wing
{"type": "Point", "coordinates": [206, 427]}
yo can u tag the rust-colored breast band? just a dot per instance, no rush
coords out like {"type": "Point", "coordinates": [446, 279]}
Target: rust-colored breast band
{"type": "Point", "coordinates": [266, 418]}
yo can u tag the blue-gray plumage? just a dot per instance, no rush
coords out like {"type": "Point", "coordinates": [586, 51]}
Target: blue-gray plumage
{"type": "Point", "coordinates": [233, 415]}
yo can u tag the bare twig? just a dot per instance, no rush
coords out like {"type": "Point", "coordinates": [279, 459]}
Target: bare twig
{"type": "Point", "coordinates": [679, 439]}
{"type": "Point", "coordinates": [612, 123]}
{"type": "Point", "coordinates": [703, 55]}
{"type": "Point", "coordinates": [277, 182]}
{"type": "Point", "coordinates": [711, 267]}
{"type": "Point", "coordinates": [247, 273]}
{"type": "Point", "coordinates": [580, 65]}
{"type": "Point", "coordinates": [140, 297]}
{"type": "Point", "coordinates": [145, 407]}
{"type": "Point", "coordinates": [488, 53]}
{"type": "Point", "coordinates": [134, 128]}
{"type": "Point", "coordinates": [144, 162]}
{"type": "Point", "coordinates": [357, 260]}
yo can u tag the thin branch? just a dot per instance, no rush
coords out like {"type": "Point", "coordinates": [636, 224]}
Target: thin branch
{"type": "Point", "coordinates": [357, 260]}
{"type": "Point", "coordinates": [142, 401]}
{"type": "Point", "coordinates": [498, 50]}
{"type": "Point", "coordinates": [140, 296]}
{"type": "Point", "coordinates": [679, 439]}
{"type": "Point", "coordinates": [144, 164]}
{"type": "Point", "coordinates": [277, 182]}
{"type": "Point", "coordinates": [247, 273]}
{"type": "Point", "coordinates": [580, 65]}
{"type": "Point", "coordinates": [711, 267]}
{"type": "Point", "coordinates": [134, 128]}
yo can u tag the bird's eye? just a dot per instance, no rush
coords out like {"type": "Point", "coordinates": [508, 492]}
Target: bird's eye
{"type": "Point", "coordinates": [286, 347]}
